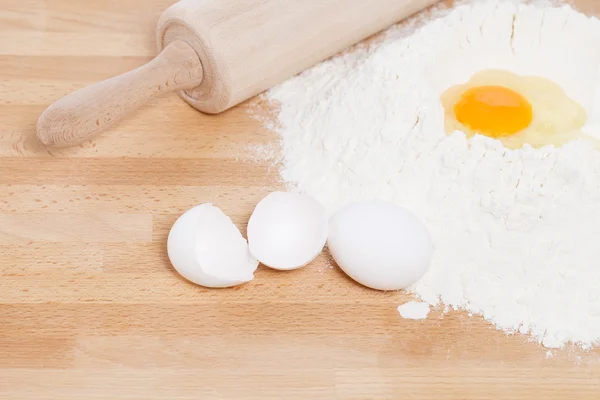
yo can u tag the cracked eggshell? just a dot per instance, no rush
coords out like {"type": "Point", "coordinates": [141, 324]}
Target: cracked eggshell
{"type": "Point", "coordinates": [380, 245]}
{"type": "Point", "coordinates": [206, 248]}
{"type": "Point", "coordinates": [287, 230]}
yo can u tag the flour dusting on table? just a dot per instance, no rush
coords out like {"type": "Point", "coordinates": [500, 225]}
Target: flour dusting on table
{"type": "Point", "coordinates": [414, 310]}
{"type": "Point", "coordinates": [516, 231]}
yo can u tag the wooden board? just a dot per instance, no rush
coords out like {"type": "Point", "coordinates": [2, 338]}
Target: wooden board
{"type": "Point", "coordinates": [91, 308]}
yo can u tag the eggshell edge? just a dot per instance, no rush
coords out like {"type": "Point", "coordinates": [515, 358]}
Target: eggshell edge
{"type": "Point", "coordinates": [180, 250]}
{"type": "Point", "coordinates": [323, 241]}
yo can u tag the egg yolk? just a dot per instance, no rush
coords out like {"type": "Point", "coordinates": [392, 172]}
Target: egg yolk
{"type": "Point", "coordinates": [494, 111]}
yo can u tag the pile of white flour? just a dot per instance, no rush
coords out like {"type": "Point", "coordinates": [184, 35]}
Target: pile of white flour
{"type": "Point", "coordinates": [517, 233]}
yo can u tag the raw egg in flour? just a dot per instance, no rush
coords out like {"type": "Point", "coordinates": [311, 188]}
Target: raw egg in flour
{"type": "Point", "coordinates": [514, 109]}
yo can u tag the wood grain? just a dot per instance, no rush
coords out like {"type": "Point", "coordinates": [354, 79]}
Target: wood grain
{"type": "Point", "coordinates": [221, 54]}
{"type": "Point", "coordinates": [80, 115]}
{"type": "Point", "coordinates": [90, 307]}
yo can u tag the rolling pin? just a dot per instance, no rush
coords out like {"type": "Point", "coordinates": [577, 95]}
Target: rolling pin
{"type": "Point", "coordinates": [219, 53]}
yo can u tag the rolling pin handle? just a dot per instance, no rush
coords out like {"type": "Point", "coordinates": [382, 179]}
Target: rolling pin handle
{"type": "Point", "coordinates": [84, 113]}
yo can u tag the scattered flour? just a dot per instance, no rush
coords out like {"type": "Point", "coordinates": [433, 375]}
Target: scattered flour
{"type": "Point", "coordinates": [414, 310]}
{"type": "Point", "coordinates": [516, 231]}
{"type": "Point", "coordinates": [261, 154]}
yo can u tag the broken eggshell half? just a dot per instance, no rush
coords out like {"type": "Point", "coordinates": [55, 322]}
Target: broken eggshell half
{"type": "Point", "coordinates": [206, 248]}
{"type": "Point", "coordinates": [287, 230]}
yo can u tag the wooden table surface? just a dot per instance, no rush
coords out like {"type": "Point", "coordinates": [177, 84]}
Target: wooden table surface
{"type": "Point", "coordinates": [91, 308]}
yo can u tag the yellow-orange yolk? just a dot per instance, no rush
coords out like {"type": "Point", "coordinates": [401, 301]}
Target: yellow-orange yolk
{"type": "Point", "coordinates": [494, 111]}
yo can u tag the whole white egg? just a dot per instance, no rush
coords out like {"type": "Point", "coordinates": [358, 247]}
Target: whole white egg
{"type": "Point", "coordinates": [380, 245]}
{"type": "Point", "coordinates": [206, 248]}
{"type": "Point", "coordinates": [287, 230]}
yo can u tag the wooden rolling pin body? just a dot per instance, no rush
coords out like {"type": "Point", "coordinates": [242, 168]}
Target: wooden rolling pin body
{"type": "Point", "coordinates": [218, 53]}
